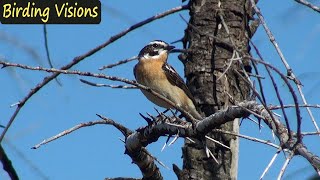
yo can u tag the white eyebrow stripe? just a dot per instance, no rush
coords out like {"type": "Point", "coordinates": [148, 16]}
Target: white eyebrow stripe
{"type": "Point", "coordinates": [158, 42]}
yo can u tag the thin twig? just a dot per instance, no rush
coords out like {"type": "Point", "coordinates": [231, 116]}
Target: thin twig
{"type": "Point", "coordinates": [272, 107]}
{"type": "Point", "coordinates": [285, 165]}
{"type": "Point", "coordinates": [119, 63]}
{"type": "Point", "coordinates": [189, 139]}
{"type": "Point", "coordinates": [295, 99]}
{"type": "Point", "coordinates": [247, 137]}
{"type": "Point", "coordinates": [277, 91]}
{"type": "Point", "coordinates": [270, 164]}
{"type": "Point", "coordinates": [156, 159]}
{"type": "Point", "coordinates": [176, 125]}
{"type": "Point", "coordinates": [47, 50]}
{"type": "Point", "coordinates": [259, 98]}
{"type": "Point", "coordinates": [174, 139]}
{"type": "Point", "coordinates": [229, 65]}
{"type": "Point", "coordinates": [259, 80]}
{"type": "Point", "coordinates": [309, 5]}
{"type": "Point", "coordinates": [211, 154]}
{"type": "Point", "coordinates": [160, 162]}
{"type": "Point", "coordinates": [165, 143]}
{"type": "Point", "coordinates": [308, 109]}
{"type": "Point", "coordinates": [256, 122]}
{"type": "Point", "coordinates": [309, 133]}
{"type": "Point", "coordinates": [78, 59]}
{"type": "Point", "coordinates": [68, 131]}
{"type": "Point", "coordinates": [280, 100]}
{"type": "Point", "coordinates": [271, 37]}
{"type": "Point", "coordinates": [124, 130]}
{"type": "Point", "coordinates": [253, 75]}
{"type": "Point", "coordinates": [108, 85]}
{"type": "Point", "coordinates": [217, 142]}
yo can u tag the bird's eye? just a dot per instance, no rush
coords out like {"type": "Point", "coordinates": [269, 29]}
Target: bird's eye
{"type": "Point", "coordinates": [155, 45]}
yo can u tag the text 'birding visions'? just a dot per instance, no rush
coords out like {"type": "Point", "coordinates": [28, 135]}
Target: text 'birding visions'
{"type": "Point", "coordinates": [50, 11]}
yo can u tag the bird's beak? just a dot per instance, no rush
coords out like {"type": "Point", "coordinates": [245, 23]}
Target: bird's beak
{"type": "Point", "coordinates": [169, 48]}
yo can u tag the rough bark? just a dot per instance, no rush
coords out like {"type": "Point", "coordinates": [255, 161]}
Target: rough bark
{"type": "Point", "coordinates": [210, 51]}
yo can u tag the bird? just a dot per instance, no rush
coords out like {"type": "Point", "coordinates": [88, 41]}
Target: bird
{"type": "Point", "coordinates": [153, 71]}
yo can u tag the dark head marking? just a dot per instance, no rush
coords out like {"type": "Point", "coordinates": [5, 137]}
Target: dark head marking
{"type": "Point", "coordinates": [154, 48]}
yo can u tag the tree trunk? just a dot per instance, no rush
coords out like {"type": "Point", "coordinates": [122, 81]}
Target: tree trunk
{"type": "Point", "coordinates": [210, 53]}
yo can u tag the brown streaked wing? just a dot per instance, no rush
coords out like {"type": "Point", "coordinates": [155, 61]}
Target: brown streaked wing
{"type": "Point", "coordinates": [135, 71]}
{"type": "Point", "coordinates": [175, 79]}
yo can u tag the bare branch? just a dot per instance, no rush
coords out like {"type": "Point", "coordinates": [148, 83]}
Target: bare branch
{"type": "Point", "coordinates": [259, 98]}
{"type": "Point", "coordinates": [256, 122]}
{"type": "Point", "coordinates": [259, 80]}
{"type": "Point", "coordinates": [137, 152]}
{"type": "Point", "coordinates": [217, 142]}
{"type": "Point", "coordinates": [160, 127]}
{"type": "Point", "coordinates": [68, 131]}
{"type": "Point", "coordinates": [309, 5]}
{"type": "Point", "coordinates": [174, 139]}
{"type": "Point", "coordinates": [312, 158]}
{"type": "Point", "coordinates": [285, 165]}
{"type": "Point", "coordinates": [143, 159]}
{"type": "Point", "coordinates": [290, 73]}
{"type": "Point", "coordinates": [108, 85]}
{"type": "Point", "coordinates": [295, 99]}
{"type": "Point", "coordinates": [119, 63]}
{"type": "Point", "coordinates": [272, 39]}
{"type": "Point", "coordinates": [248, 138]}
{"type": "Point", "coordinates": [210, 154]}
{"type": "Point", "coordinates": [309, 133]}
{"type": "Point", "coordinates": [270, 164]}
{"type": "Point", "coordinates": [47, 50]}
{"type": "Point", "coordinates": [278, 93]}
{"type": "Point", "coordinates": [7, 165]}
{"type": "Point", "coordinates": [136, 141]}
{"type": "Point", "coordinates": [273, 107]}
{"type": "Point", "coordinates": [125, 131]}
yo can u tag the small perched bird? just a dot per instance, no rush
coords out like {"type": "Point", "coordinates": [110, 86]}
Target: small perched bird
{"type": "Point", "coordinates": [153, 71]}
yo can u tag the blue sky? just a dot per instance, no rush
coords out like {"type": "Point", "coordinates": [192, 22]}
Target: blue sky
{"type": "Point", "coordinates": [96, 152]}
